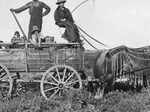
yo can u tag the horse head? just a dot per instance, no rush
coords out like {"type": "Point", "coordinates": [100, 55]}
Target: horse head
{"type": "Point", "coordinates": [103, 71]}
{"type": "Point", "coordinates": [109, 64]}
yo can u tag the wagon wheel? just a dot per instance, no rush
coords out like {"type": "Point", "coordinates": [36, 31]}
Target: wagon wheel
{"type": "Point", "coordinates": [5, 81]}
{"type": "Point", "coordinates": [58, 80]}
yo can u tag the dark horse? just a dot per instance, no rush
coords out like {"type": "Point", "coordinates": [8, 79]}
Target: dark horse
{"type": "Point", "coordinates": [122, 64]}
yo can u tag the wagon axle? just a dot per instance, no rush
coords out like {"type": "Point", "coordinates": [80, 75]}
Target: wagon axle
{"type": "Point", "coordinates": [61, 86]}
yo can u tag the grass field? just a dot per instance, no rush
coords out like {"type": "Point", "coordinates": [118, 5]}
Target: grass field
{"type": "Point", "coordinates": [78, 102]}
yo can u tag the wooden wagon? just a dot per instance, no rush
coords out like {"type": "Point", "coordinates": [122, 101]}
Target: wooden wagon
{"type": "Point", "coordinates": [57, 65]}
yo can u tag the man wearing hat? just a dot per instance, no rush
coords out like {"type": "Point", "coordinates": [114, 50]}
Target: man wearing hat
{"type": "Point", "coordinates": [63, 18]}
{"type": "Point", "coordinates": [36, 13]}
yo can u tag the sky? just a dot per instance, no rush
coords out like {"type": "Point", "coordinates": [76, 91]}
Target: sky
{"type": "Point", "coordinates": [113, 22]}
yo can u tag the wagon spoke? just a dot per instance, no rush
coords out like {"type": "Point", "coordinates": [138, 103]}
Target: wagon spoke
{"type": "Point", "coordinates": [46, 82]}
{"type": "Point", "coordinates": [50, 89]}
{"type": "Point", "coordinates": [60, 91]}
{"type": "Point", "coordinates": [1, 70]}
{"type": "Point", "coordinates": [54, 78]}
{"type": "Point", "coordinates": [72, 82]}
{"type": "Point", "coordinates": [3, 78]}
{"type": "Point", "coordinates": [64, 72]}
{"type": "Point", "coordinates": [58, 74]}
{"type": "Point", "coordinates": [54, 93]}
{"type": "Point", "coordinates": [3, 75]}
{"type": "Point", "coordinates": [69, 77]}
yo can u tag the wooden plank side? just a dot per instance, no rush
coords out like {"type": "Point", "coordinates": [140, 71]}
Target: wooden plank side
{"type": "Point", "coordinates": [36, 61]}
{"type": "Point", "coordinates": [13, 59]}
{"type": "Point", "coordinates": [40, 67]}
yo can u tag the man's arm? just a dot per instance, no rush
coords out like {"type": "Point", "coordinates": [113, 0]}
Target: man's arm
{"type": "Point", "coordinates": [56, 16]}
{"type": "Point", "coordinates": [69, 15]}
{"type": "Point", "coordinates": [47, 9]}
{"type": "Point", "coordinates": [58, 19]}
{"type": "Point", "coordinates": [24, 7]}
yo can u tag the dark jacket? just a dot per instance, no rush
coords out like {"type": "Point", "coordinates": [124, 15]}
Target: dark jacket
{"type": "Point", "coordinates": [62, 13]}
{"type": "Point", "coordinates": [63, 18]}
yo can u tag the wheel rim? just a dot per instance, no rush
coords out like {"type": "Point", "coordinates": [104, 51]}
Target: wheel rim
{"type": "Point", "coordinates": [59, 79]}
{"type": "Point", "coordinates": [5, 81]}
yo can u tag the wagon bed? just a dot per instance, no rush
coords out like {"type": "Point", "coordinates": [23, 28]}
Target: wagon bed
{"type": "Point", "coordinates": [57, 64]}
{"type": "Point", "coordinates": [27, 58]}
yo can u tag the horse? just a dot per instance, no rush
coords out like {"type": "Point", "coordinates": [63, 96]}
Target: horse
{"type": "Point", "coordinates": [121, 64]}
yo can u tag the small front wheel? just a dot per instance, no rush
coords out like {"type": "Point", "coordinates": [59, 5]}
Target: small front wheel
{"type": "Point", "coordinates": [60, 79]}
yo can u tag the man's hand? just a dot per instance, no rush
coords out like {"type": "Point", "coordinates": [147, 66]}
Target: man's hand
{"type": "Point", "coordinates": [12, 10]}
{"type": "Point", "coordinates": [43, 14]}
{"type": "Point", "coordinates": [63, 20]}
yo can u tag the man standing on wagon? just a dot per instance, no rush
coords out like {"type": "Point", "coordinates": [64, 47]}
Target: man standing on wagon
{"type": "Point", "coordinates": [63, 18]}
{"type": "Point", "coordinates": [36, 13]}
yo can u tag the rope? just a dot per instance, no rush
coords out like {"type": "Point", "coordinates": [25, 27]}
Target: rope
{"type": "Point", "coordinates": [88, 42]}
{"type": "Point", "coordinates": [81, 29]}
{"type": "Point", "coordinates": [79, 6]}
{"type": "Point", "coordinates": [91, 37]}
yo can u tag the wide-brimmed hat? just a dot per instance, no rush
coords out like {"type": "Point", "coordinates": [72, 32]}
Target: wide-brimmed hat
{"type": "Point", "coordinates": [60, 1]}
{"type": "Point", "coordinates": [35, 28]}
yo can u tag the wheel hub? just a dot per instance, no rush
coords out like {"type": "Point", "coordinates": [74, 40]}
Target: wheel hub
{"type": "Point", "coordinates": [61, 86]}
